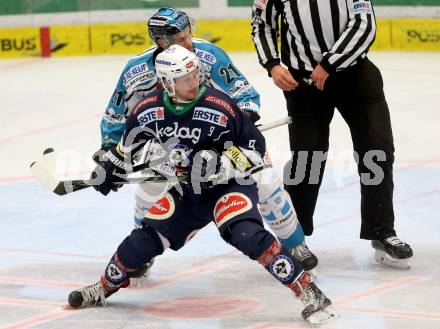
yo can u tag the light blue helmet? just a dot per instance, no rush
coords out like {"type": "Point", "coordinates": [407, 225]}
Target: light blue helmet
{"type": "Point", "coordinates": [166, 22]}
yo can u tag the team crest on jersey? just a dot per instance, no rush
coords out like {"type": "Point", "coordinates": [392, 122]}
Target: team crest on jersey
{"type": "Point", "coordinates": [162, 209]}
{"type": "Point", "coordinates": [151, 115]}
{"type": "Point", "coordinates": [230, 206]}
{"type": "Point", "coordinates": [222, 103]}
{"type": "Point", "coordinates": [211, 116]}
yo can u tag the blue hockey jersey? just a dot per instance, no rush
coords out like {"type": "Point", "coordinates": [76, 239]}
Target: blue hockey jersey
{"type": "Point", "coordinates": [138, 80]}
{"type": "Point", "coordinates": [211, 121]}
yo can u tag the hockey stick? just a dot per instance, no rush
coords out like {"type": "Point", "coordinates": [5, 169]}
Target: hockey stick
{"type": "Point", "coordinates": [44, 171]}
{"type": "Point", "coordinates": [274, 124]}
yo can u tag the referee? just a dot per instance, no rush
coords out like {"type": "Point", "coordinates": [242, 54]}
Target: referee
{"type": "Point", "coordinates": [324, 46]}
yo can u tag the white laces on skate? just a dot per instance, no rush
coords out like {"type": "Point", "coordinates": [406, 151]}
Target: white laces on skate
{"type": "Point", "coordinates": [301, 252]}
{"type": "Point", "coordinates": [93, 294]}
{"type": "Point", "coordinates": [317, 307]}
{"type": "Point", "coordinates": [392, 252]}
{"type": "Point", "coordinates": [394, 241]}
{"type": "Point", "coordinates": [310, 297]}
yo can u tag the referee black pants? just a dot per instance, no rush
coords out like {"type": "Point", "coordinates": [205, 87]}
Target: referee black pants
{"type": "Point", "coordinates": [357, 93]}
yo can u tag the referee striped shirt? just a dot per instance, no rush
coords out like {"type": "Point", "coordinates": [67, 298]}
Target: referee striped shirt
{"type": "Point", "coordinates": [334, 33]}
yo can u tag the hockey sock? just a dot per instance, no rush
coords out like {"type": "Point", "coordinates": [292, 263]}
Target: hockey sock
{"type": "Point", "coordinates": [116, 275]}
{"type": "Point", "coordinates": [255, 241]}
{"type": "Point", "coordinates": [281, 264]}
{"type": "Point", "coordinates": [140, 247]}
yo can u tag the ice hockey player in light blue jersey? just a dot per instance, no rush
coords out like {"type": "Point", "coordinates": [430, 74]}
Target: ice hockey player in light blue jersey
{"type": "Point", "coordinates": [138, 80]}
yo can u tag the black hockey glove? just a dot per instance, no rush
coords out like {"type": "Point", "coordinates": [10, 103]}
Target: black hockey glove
{"type": "Point", "coordinates": [205, 170]}
{"type": "Point", "coordinates": [109, 170]}
{"type": "Point", "coordinates": [254, 116]}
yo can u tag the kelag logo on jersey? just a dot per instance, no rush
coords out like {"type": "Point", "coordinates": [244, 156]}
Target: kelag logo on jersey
{"type": "Point", "coordinates": [211, 116]}
{"type": "Point", "coordinates": [154, 114]}
{"type": "Point", "coordinates": [180, 133]}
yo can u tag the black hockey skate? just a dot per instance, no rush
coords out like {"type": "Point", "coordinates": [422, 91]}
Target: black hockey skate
{"type": "Point", "coordinates": [307, 259]}
{"type": "Point", "coordinates": [91, 295]}
{"type": "Point", "coordinates": [392, 251]}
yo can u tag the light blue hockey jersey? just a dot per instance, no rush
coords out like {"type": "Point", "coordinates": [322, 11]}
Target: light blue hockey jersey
{"type": "Point", "coordinates": [138, 80]}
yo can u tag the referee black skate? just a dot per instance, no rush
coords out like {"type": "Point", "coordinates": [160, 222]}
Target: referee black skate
{"type": "Point", "coordinates": [324, 46]}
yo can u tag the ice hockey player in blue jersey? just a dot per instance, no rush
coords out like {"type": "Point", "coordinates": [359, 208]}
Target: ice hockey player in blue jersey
{"type": "Point", "coordinates": [139, 80]}
{"type": "Point", "coordinates": [201, 135]}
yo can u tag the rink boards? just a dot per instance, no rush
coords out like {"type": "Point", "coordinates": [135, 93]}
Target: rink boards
{"type": "Point", "coordinates": [232, 35]}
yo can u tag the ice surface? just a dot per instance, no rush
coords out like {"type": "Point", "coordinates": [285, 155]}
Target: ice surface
{"type": "Point", "coordinates": [50, 245]}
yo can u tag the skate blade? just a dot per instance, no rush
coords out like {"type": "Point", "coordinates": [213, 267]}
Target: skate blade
{"type": "Point", "coordinates": [383, 258]}
{"type": "Point", "coordinates": [323, 316]}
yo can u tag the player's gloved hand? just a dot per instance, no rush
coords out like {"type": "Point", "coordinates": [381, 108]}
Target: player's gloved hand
{"type": "Point", "coordinates": [250, 110]}
{"type": "Point", "coordinates": [254, 116]}
{"type": "Point", "coordinates": [205, 170]}
{"type": "Point", "coordinates": [108, 171]}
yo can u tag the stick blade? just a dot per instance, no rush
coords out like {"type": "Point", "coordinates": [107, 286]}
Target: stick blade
{"type": "Point", "coordinates": [44, 171]}
{"type": "Point", "coordinates": [49, 159]}
{"type": "Point", "coordinates": [43, 176]}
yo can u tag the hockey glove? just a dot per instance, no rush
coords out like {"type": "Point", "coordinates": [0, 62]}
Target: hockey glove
{"type": "Point", "coordinates": [254, 116]}
{"type": "Point", "coordinates": [109, 170]}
